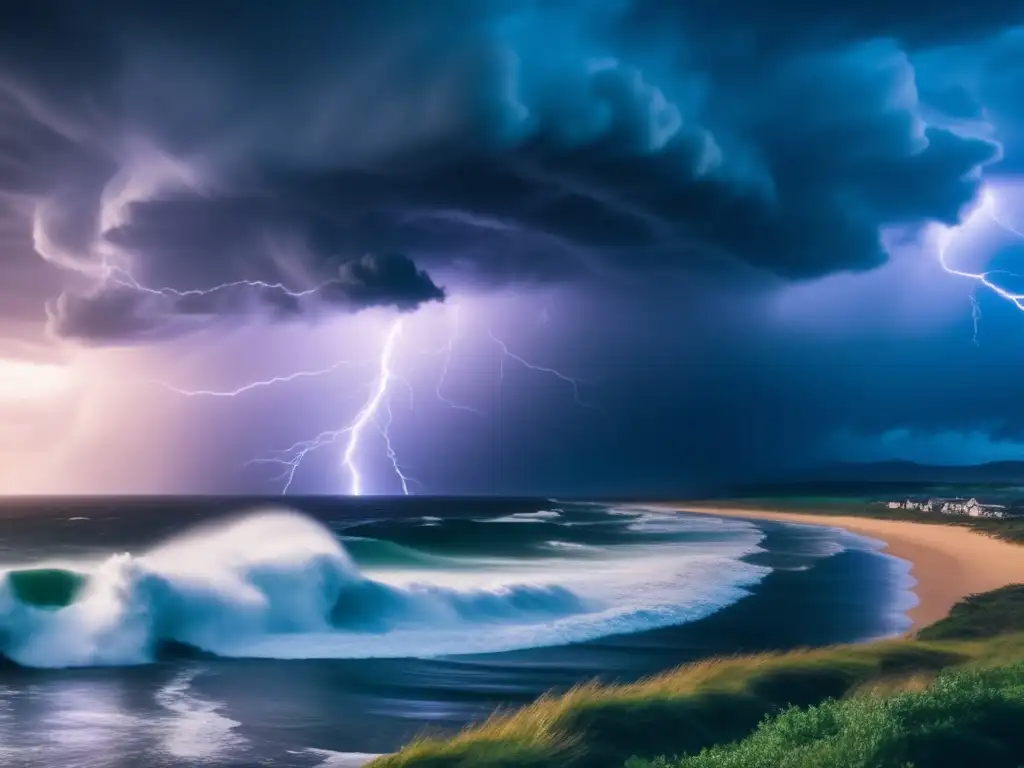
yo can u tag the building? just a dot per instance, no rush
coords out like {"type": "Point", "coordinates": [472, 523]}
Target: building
{"type": "Point", "coordinates": [924, 506]}
{"type": "Point", "coordinates": [992, 510]}
{"type": "Point", "coordinates": [960, 507]}
{"type": "Point", "coordinates": [969, 507]}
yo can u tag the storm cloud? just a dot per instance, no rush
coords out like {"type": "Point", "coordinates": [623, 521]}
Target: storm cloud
{"type": "Point", "coordinates": [490, 143]}
{"type": "Point", "coordinates": [720, 215]}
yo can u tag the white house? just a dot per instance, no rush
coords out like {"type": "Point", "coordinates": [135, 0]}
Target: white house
{"type": "Point", "coordinates": [960, 507]}
{"type": "Point", "coordinates": [969, 507]}
{"type": "Point", "coordinates": [992, 510]}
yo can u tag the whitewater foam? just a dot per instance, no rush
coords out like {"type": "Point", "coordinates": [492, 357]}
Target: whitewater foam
{"type": "Point", "coordinates": [570, 545]}
{"type": "Point", "coordinates": [332, 759]}
{"type": "Point", "coordinates": [278, 584]}
{"type": "Point", "coordinates": [540, 516]}
{"type": "Point", "coordinates": [197, 730]}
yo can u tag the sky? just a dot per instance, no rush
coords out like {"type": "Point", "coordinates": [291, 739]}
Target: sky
{"type": "Point", "coordinates": [505, 246]}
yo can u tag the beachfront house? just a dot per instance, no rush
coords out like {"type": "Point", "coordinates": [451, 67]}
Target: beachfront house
{"type": "Point", "coordinates": [970, 507]}
{"type": "Point", "coordinates": [960, 507]}
{"type": "Point", "coordinates": [923, 506]}
{"type": "Point", "coordinates": [992, 510]}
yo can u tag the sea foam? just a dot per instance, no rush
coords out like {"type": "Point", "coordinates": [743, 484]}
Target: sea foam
{"type": "Point", "coordinates": [279, 584]}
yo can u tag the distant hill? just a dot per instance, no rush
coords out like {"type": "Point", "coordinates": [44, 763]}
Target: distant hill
{"type": "Point", "coordinates": [994, 472]}
{"type": "Point", "coordinates": [882, 478]}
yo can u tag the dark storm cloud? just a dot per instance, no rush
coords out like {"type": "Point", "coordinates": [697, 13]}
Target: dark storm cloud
{"type": "Point", "coordinates": [120, 312]}
{"type": "Point", "coordinates": [754, 25]}
{"type": "Point", "coordinates": [111, 315]}
{"type": "Point", "coordinates": [981, 83]}
{"type": "Point", "coordinates": [378, 279]}
{"type": "Point", "coordinates": [492, 142]}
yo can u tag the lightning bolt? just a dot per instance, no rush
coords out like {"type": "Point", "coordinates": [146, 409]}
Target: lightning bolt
{"type": "Point", "coordinates": [448, 351]}
{"type": "Point", "coordinates": [122, 277]}
{"type": "Point", "coordinates": [994, 215]}
{"type": "Point", "coordinates": [507, 353]}
{"type": "Point", "coordinates": [264, 382]}
{"type": "Point", "coordinates": [975, 316]}
{"type": "Point", "coordinates": [945, 240]}
{"type": "Point", "coordinates": [376, 409]}
{"type": "Point", "coordinates": [369, 412]}
{"type": "Point", "coordinates": [378, 401]}
{"type": "Point", "coordinates": [291, 458]}
{"type": "Point", "coordinates": [385, 433]}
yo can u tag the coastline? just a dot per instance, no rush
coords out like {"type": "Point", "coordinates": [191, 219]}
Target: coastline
{"type": "Point", "coordinates": [948, 562]}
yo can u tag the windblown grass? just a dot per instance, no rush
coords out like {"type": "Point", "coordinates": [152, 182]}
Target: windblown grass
{"type": "Point", "coordinates": [723, 700]}
{"type": "Point", "coordinates": [682, 711]}
{"type": "Point", "coordinates": [985, 615]}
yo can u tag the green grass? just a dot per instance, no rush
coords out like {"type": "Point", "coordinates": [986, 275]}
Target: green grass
{"type": "Point", "coordinates": [723, 700]}
{"type": "Point", "coordinates": [690, 708]}
{"type": "Point", "coordinates": [985, 615]}
{"type": "Point", "coordinates": [968, 717]}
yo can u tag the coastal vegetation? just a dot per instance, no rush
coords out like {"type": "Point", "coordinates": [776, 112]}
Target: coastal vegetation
{"type": "Point", "coordinates": [966, 717]}
{"type": "Point", "coordinates": [1008, 528]}
{"type": "Point", "coordinates": [960, 681]}
{"type": "Point", "coordinates": [989, 614]}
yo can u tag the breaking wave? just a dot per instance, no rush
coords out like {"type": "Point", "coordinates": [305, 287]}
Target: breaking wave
{"type": "Point", "coordinates": [540, 516]}
{"type": "Point", "coordinates": [277, 584]}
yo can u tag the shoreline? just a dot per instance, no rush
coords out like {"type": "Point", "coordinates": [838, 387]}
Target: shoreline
{"type": "Point", "coordinates": [948, 562]}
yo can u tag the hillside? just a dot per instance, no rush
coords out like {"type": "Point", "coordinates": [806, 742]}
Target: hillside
{"type": "Point", "coordinates": [721, 700]}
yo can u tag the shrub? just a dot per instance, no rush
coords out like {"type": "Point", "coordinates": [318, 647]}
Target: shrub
{"type": "Point", "coordinates": [968, 717]}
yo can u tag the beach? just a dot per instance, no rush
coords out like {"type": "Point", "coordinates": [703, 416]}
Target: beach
{"type": "Point", "coordinates": [948, 562]}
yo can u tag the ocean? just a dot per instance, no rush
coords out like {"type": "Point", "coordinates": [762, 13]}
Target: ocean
{"type": "Point", "coordinates": [319, 632]}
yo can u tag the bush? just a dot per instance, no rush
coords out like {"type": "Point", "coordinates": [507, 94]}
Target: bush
{"type": "Point", "coordinates": [966, 718]}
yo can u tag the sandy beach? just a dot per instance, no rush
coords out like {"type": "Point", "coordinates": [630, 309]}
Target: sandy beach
{"type": "Point", "coordinates": [949, 562]}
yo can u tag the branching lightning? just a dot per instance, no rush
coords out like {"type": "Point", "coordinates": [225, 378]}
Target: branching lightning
{"type": "Point", "coordinates": [122, 277]}
{"type": "Point", "coordinates": [574, 383]}
{"type": "Point", "coordinates": [975, 316]}
{"type": "Point", "coordinates": [377, 403]}
{"type": "Point", "coordinates": [369, 412]}
{"type": "Point", "coordinates": [386, 434]}
{"type": "Point", "coordinates": [448, 351]}
{"type": "Point", "coordinates": [987, 208]}
{"type": "Point", "coordinates": [291, 458]}
{"type": "Point", "coordinates": [946, 237]}
{"type": "Point", "coordinates": [993, 213]}
{"type": "Point", "coordinates": [265, 382]}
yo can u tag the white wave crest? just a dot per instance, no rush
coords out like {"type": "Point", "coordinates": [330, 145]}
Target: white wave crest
{"type": "Point", "coordinates": [540, 516]}
{"type": "Point", "coordinates": [278, 584]}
